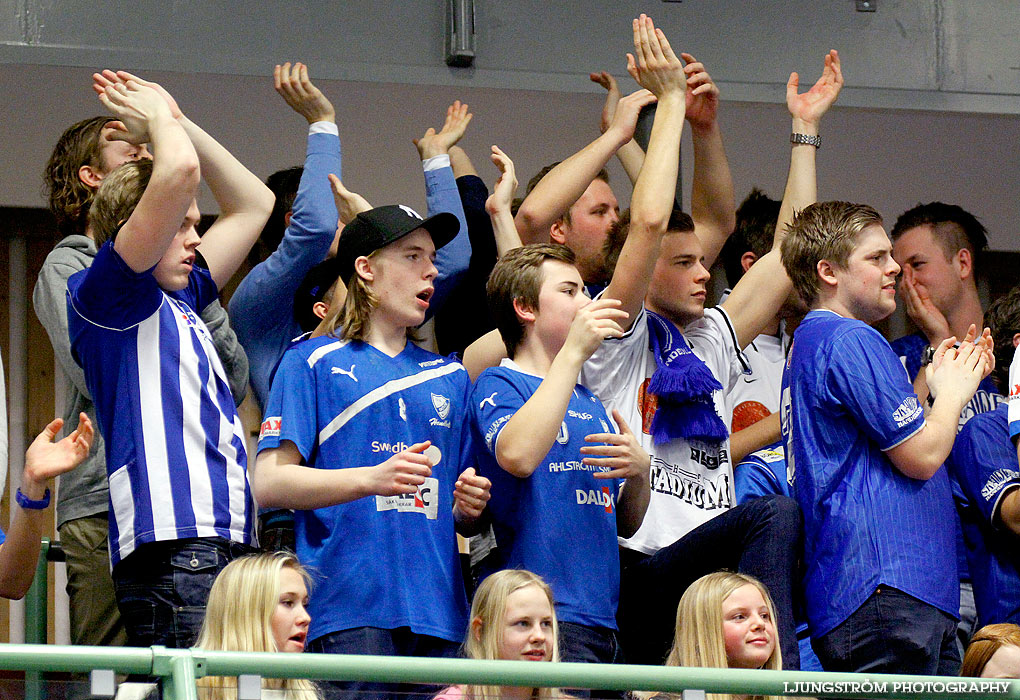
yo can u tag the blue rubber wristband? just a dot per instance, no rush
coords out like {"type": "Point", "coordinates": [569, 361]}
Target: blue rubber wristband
{"type": "Point", "coordinates": [28, 504]}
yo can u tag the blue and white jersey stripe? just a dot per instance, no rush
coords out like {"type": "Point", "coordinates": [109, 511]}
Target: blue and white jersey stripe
{"type": "Point", "coordinates": [175, 446]}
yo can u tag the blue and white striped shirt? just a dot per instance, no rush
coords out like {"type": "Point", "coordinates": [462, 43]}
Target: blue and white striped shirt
{"type": "Point", "coordinates": [175, 451]}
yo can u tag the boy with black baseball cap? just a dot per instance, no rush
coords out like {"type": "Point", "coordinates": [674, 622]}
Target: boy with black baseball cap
{"type": "Point", "coordinates": [365, 434]}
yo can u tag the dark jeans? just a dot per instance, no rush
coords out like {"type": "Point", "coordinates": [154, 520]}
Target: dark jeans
{"type": "Point", "coordinates": [761, 538]}
{"type": "Point", "coordinates": [589, 645]}
{"type": "Point", "coordinates": [380, 642]}
{"type": "Point", "coordinates": [162, 588]}
{"type": "Point", "coordinates": [892, 632]}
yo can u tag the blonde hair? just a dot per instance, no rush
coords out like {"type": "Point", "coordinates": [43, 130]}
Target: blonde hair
{"type": "Point", "coordinates": [489, 607]}
{"type": "Point", "coordinates": [238, 617]}
{"type": "Point", "coordinates": [983, 645]}
{"type": "Point", "coordinates": [699, 639]}
{"type": "Point", "coordinates": [823, 231]}
{"type": "Point", "coordinates": [350, 321]}
{"type": "Point", "coordinates": [116, 198]}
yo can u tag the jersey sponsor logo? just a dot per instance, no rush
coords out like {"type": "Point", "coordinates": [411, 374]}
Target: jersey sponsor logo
{"type": "Point", "coordinates": [981, 402]}
{"type": "Point", "coordinates": [750, 381]}
{"type": "Point", "coordinates": [907, 411]}
{"type": "Point", "coordinates": [441, 404]}
{"type": "Point", "coordinates": [580, 416]}
{"type": "Point", "coordinates": [648, 404]}
{"type": "Point", "coordinates": [591, 497]}
{"type": "Point", "coordinates": [270, 427]}
{"type": "Point", "coordinates": [410, 212]}
{"type": "Point", "coordinates": [572, 465]}
{"type": "Point", "coordinates": [393, 447]}
{"type": "Point", "coordinates": [431, 363]}
{"type": "Point", "coordinates": [345, 372]}
{"type": "Point", "coordinates": [425, 500]}
{"type": "Point", "coordinates": [490, 399]}
{"type": "Point", "coordinates": [748, 413]}
{"type": "Point", "coordinates": [1014, 393]}
{"type": "Point", "coordinates": [564, 435]}
{"type": "Point", "coordinates": [769, 456]}
{"type": "Point", "coordinates": [708, 456]}
{"type": "Point", "coordinates": [402, 408]}
{"type": "Point", "coordinates": [997, 480]}
{"type": "Point", "coordinates": [490, 434]}
{"type": "Point", "coordinates": [706, 494]}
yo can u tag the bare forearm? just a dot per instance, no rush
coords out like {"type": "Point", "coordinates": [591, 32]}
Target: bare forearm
{"type": "Point", "coordinates": [633, 503]}
{"type": "Point", "coordinates": [754, 437]}
{"type": "Point", "coordinates": [235, 188]}
{"type": "Point", "coordinates": [631, 157]}
{"type": "Point", "coordinates": [801, 184]}
{"type": "Point", "coordinates": [460, 162]}
{"type": "Point", "coordinates": [1009, 511]}
{"type": "Point", "coordinates": [562, 186]}
{"type": "Point", "coordinates": [920, 456]}
{"type": "Point", "coordinates": [20, 553]}
{"type": "Point", "coordinates": [529, 435]}
{"type": "Point", "coordinates": [306, 488]}
{"type": "Point", "coordinates": [504, 232]}
{"type": "Point", "coordinates": [713, 207]}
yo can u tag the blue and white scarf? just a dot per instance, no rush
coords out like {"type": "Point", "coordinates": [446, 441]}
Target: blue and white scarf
{"type": "Point", "coordinates": [684, 386]}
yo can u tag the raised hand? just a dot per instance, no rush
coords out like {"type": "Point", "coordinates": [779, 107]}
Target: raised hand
{"type": "Point", "coordinates": [470, 494]}
{"type": "Point", "coordinates": [702, 94]}
{"type": "Point", "coordinates": [135, 106]}
{"type": "Point", "coordinates": [594, 323]}
{"type": "Point", "coordinates": [624, 455]}
{"type": "Point", "coordinates": [612, 97]}
{"type": "Point", "coordinates": [348, 204]}
{"type": "Point", "coordinates": [654, 65]}
{"type": "Point", "coordinates": [628, 110]}
{"type": "Point", "coordinates": [957, 371]}
{"type": "Point", "coordinates": [109, 77]}
{"type": "Point", "coordinates": [921, 309]}
{"type": "Point", "coordinates": [436, 143]}
{"type": "Point", "coordinates": [810, 106]}
{"type": "Point", "coordinates": [506, 186]}
{"type": "Point", "coordinates": [301, 95]}
{"type": "Point", "coordinates": [404, 472]}
{"type": "Point", "coordinates": [46, 459]}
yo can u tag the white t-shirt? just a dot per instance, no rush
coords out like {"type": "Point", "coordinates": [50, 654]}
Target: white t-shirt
{"type": "Point", "coordinates": [1013, 393]}
{"type": "Point", "coordinates": [756, 394]}
{"type": "Point", "coordinates": [692, 481]}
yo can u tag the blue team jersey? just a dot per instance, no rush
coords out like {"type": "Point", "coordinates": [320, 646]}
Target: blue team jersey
{"type": "Point", "coordinates": [762, 473]}
{"type": "Point", "coordinates": [378, 561]}
{"type": "Point", "coordinates": [175, 454]}
{"type": "Point", "coordinates": [560, 522]}
{"type": "Point", "coordinates": [983, 467]}
{"type": "Point", "coordinates": [846, 400]}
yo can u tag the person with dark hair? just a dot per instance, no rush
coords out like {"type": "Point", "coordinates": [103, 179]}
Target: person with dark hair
{"type": "Point", "coordinates": [983, 467]}
{"type": "Point", "coordinates": [284, 185]}
{"type": "Point", "coordinates": [83, 156]}
{"type": "Point", "coordinates": [881, 586]}
{"type": "Point", "coordinates": [176, 463]}
{"type": "Point", "coordinates": [939, 248]}
{"type": "Point", "coordinates": [754, 400]}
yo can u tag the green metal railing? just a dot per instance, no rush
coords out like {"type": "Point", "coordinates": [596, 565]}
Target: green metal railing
{"type": "Point", "coordinates": [178, 669]}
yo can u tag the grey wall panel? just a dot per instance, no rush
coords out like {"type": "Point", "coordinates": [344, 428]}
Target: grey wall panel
{"type": "Point", "coordinates": [982, 47]}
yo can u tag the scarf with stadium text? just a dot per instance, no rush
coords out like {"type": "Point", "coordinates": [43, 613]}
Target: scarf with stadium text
{"type": "Point", "coordinates": [684, 387]}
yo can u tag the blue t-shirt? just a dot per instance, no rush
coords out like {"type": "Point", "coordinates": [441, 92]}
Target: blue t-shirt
{"type": "Point", "coordinates": [379, 561]}
{"type": "Point", "coordinates": [175, 454]}
{"type": "Point", "coordinates": [846, 400]}
{"type": "Point", "coordinates": [983, 467]}
{"type": "Point", "coordinates": [762, 473]}
{"type": "Point", "coordinates": [560, 522]}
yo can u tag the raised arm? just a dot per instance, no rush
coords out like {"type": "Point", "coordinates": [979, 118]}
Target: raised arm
{"type": "Point", "coordinates": [713, 207]}
{"type": "Point", "coordinates": [655, 67]}
{"type": "Point", "coordinates": [555, 193]}
{"type": "Point", "coordinates": [145, 117]}
{"type": "Point", "coordinates": [760, 292]}
{"type": "Point", "coordinates": [629, 154]}
{"type": "Point", "coordinates": [454, 258]}
{"type": "Point", "coordinates": [44, 460]}
{"type": "Point", "coordinates": [245, 203]}
{"type": "Point", "coordinates": [498, 204]}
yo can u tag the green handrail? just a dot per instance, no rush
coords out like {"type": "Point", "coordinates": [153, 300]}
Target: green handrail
{"type": "Point", "coordinates": [177, 669]}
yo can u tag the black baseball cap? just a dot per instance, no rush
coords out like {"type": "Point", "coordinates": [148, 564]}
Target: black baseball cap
{"type": "Point", "coordinates": [313, 288]}
{"type": "Point", "coordinates": [376, 228]}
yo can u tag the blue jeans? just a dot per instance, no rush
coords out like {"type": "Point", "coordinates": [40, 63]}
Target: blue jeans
{"type": "Point", "coordinates": [892, 632]}
{"type": "Point", "coordinates": [761, 538]}
{"type": "Point", "coordinates": [589, 645]}
{"type": "Point", "coordinates": [380, 642]}
{"type": "Point", "coordinates": [162, 588]}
